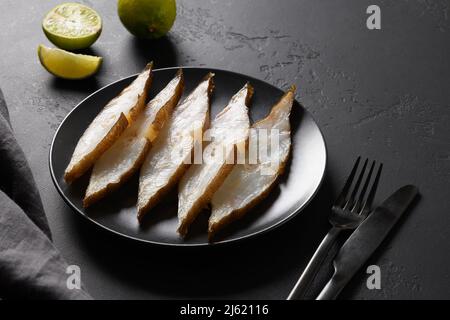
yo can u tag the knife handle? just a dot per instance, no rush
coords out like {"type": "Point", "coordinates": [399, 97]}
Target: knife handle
{"type": "Point", "coordinates": [303, 284]}
{"type": "Point", "coordinates": [333, 288]}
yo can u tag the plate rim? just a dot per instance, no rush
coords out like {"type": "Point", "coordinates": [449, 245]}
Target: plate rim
{"type": "Point", "coordinates": [249, 236]}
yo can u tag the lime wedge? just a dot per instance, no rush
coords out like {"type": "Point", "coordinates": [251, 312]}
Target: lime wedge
{"type": "Point", "coordinates": [72, 26]}
{"type": "Point", "coordinates": [68, 65]}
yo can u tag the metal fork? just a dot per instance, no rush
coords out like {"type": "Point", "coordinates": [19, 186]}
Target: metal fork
{"type": "Point", "coordinates": [348, 211]}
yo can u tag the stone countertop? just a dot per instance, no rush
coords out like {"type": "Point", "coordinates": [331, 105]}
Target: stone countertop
{"type": "Point", "coordinates": [378, 93]}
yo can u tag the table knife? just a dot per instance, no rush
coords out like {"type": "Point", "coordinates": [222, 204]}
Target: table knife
{"type": "Point", "coordinates": [366, 239]}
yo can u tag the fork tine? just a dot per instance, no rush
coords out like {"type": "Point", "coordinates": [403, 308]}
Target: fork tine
{"type": "Point", "coordinates": [351, 200]}
{"type": "Point", "coordinates": [340, 201]}
{"type": "Point", "coordinates": [358, 206]}
{"type": "Point", "coordinates": [373, 190]}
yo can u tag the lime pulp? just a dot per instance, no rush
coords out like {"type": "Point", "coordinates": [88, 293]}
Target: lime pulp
{"type": "Point", "coordinates": [67, 65]}
{"type": "Point", "coordinates": [72, 26]}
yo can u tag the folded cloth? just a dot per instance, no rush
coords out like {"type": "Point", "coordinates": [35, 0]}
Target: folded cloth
{"type": "Point", "coordinates": [30, 266]}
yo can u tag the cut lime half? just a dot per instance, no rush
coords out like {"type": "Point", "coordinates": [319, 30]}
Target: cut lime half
{"type": "Point", "coordinates": [68, 65]}
{"type": "Point", "coordinates": [72, 26]}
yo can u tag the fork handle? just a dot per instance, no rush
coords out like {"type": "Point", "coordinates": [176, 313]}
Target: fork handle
{"type": "Point", "coordinates": [310, 272]}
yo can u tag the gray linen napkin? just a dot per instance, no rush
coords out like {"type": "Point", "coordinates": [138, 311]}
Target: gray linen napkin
{"type": "Point", "coordinates": [30, 266]}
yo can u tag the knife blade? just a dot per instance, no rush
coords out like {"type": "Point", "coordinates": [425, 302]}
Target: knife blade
{"type": "Point", "coordinates": [366, 239]}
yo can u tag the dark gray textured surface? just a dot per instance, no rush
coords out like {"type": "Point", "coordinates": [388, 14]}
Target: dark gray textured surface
{"type": "Point", "coordinates": [382, 94]}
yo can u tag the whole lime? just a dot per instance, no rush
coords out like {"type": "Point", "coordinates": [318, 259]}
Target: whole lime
{"type": "Point", "coordinates": [149, 19]}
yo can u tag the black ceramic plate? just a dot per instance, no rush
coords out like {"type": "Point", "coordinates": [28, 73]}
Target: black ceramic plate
{"type": "Point", "coordinates": [117, 213]}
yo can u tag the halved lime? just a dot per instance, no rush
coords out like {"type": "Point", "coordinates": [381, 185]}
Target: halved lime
{"type": "Point", "coordinates": [68, 65]}
{"type": "Point", "coordinates": [72, 26]}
